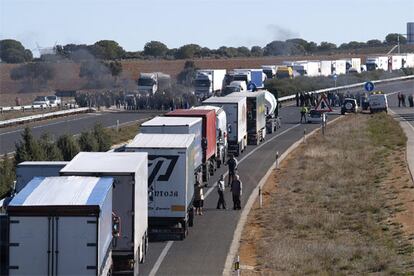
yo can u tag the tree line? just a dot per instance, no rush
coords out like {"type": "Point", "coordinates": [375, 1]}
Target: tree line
{"type": "Point", "coordinates": [12, 51]}
{"type": "Point", "coordinates": [46, 149]}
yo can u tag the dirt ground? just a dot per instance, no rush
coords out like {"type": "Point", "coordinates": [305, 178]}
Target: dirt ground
{"type": "Point", "coordinates": [288, 226]}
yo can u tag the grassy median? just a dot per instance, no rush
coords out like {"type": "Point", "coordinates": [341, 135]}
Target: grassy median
{"type": "Point", "coordinates": [340, 204]}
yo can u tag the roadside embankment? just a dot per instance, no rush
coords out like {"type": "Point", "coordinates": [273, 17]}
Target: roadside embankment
{"type": "Point", "coordinates": [340, 204]}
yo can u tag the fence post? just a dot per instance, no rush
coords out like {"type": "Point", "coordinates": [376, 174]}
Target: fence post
{"type": "Point", "coordinates": [237, 266]}
{"type": "Point", "coordinates": [304, 135]}
{"type": "Point", "coordinates": [117, 125]}
{"type": "Point", "coordinates": [260, 197]}
{"type": "Point", "coordinates": [277, 160]}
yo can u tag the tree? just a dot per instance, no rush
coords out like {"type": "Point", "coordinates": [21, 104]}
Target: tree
{"type": "Point", "coordinates": [115, 67]}
{"type": "Point", "coordinates": [326, 46]}
{"type": "Point", "coordinates": [107, 49]}
{"type": "Point", "coordinates": [28, 148]}
{"type": "Point", "coordinates": [68, 146]}
{"type": "Point", "coordinates": [155, 49]}
{"type": "Point", "coordinates": [88, 142]}
{"type": "Point", "coordinates": [374, 43]}
{"type": "Point", "coordinates": [311, 47]}
{"type": "Point", "coordinates": [102, 138]}
{"type": "Point", "coordinates": [205, 52]}
{"type": "Point", "coordinates": [256, 51]}
{"type": "Point", "coordinates": [50, 148]}
{"type": "Point", "coordinates": [188, 51]}
{"type": "Point", "coordinates": [277, 48]}
{"type": "Point", "coordinates": [243, 52]}
{"type": "Point", "coordinates": [7, 175]}
{"type": "Point", "coordinates": [393, 39]}
{"type": "Point", "coordinates": [12, 51]}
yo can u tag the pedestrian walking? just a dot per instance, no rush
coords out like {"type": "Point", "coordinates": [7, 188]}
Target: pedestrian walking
{"type": "Point", "coordinates": [199, 198]}
{"type": "Point", "coordinates": [220, 189]}
{"type": "Point", "coordinates": [411, 100]}
{"type": "Point", "coordinates": [399, 99]}
{"type": "Point", "coordinates": [303, 112]}
{"type": "Point", "coordinates": [236, 190]}
{"type": "Point", "coordinates": [232, 163]}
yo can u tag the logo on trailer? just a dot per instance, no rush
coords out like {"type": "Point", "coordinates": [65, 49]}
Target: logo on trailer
{"type": "Point", "coordinates": [160, 168]}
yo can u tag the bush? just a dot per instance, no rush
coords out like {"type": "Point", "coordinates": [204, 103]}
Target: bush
{"type": "Point", "coordinates": [68, 146]}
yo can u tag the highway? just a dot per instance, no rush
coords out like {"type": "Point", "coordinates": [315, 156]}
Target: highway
{"type": "Point", "coordinates": [71, 125]}
{"type": "Point", "coordinates": [205, 250]}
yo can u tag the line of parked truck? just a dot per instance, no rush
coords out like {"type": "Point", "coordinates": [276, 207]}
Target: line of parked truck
{"type": "Point", "coordinates": [209, 82]}
{"type": "Point", "coordinates": [95, 214]}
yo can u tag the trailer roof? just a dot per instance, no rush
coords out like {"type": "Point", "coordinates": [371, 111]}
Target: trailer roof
{"type": "Point", "coordinates": [172, 121]}
{"type": "Point", "coordinates": [43, 163]}
{"type": "Point", "coordinates": [245, 94]}
{"type": "Point", "coordinates": [106, 162]}
{"type": "Point", "coordinates": [63, 191]}
{"type": "Point", "coordinates": [190, 112]}
{"type": "Point", "coordinates": [208, 107]}
{"type": "Point", "coordinates": [144, 140]}
{"type": "Point", "coordinates": [224, 99]}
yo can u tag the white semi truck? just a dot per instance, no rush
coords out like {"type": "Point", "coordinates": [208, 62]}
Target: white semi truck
{"type": "Point", "coordinates": [253, 77]}
{"type": "Point", "coordinates": [129, 202]}
{"type": "Point", "coordinates": [353, 65]}
{"type": "Point", "coordinates": [377, 63]}
{"type": "Point", "coordinates": [221, 132]}
{"type": "Point", "coordinates": [270, 71]}
{"type": "Point", "coordinates": [27, 170]}
{"type": "Point", "coordinates": [208, 82]}
{"type": "Point", "coordinates": [61, 226]}
{"type": "Point", "coordinates": [255, 115]}
{"type": "Point", "coordinates": [397, 62]}
{"type": "Point", "coordinates": [339, 66]}
{"type": "Point", "coordinates": [325, 68]}
{"type": "Point", "coordinates": [151, 83]}
{"type": "Point", "coordinates": [170, 182]}
{"type": "Point", "coordinates": [235, 108]}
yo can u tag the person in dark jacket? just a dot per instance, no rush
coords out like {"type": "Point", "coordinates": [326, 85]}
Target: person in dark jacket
{"type": "Point", "coordinates": [232, 163]}
{"type": "Point", "coordinates": [236, 190]}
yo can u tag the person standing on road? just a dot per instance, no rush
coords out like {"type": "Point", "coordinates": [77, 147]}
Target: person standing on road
{"type": "Point", "coordinates": [410, 100]}
{"type": "Point", "coordinates": [399, 99]}
{"type": "Point", "coordinates": [220, 189]}
{"type": "Point", "coordinates": [303, 112]}
{"type": "Point", "coordinates": [297, 99]}
{"type": "Point", "coordinates": [232, 163]}
{"type": "Point", "coordinates": [236, 190]}
{"type": "Point", "coordinates": [199, 198]}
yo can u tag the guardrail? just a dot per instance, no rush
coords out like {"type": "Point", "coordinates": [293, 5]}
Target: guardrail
{"type": "Point", "coordinates": [39, 117]}
{"type": "Point", "coordinates": [355, 85]}
{"type": "Point", "coordinates": [33, 107]}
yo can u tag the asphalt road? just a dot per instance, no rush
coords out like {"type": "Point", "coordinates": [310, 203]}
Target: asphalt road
{"type": "Point", "coordinates": [205, 250]}
{"type": "Point", "coordinates": [67, 125]}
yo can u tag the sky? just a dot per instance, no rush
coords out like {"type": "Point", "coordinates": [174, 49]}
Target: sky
{"type": "Point", "coordinates": [209, 23]}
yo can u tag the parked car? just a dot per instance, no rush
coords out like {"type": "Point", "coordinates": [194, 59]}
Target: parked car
{"type": "Point", "coordinates": [54, 100]}
{"type": "Point", "coordinates": [315, 116]}
{"type": "Point", "coordinates": [349, 106]}
{"type": "Point", "coordinates": [41, 100]}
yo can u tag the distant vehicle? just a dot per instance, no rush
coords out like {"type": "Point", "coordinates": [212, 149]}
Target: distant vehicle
{"type": "Point", "coordinates": [284, 72]}
{"type": "Point", "coordinates": [209, 81]}
{"type": "Point", "coordinates": [349, 106]}
{"type": "Point", "coordinates": [325, 68]}
{"type": "Point", "coordinates": [151, 83]}
{"type": "Point", "coordinates": [254, 77]}
{"type": "Point", "coordinates": [378, 102]}
{"type": "Point", "coordinates": [375, 63]}
{"type": "Point", "coordinates": [41, 100]}
{"type": "Point", "coordinates": [269, 70]}
{"type": "Point", "coordinates": [315, 116]}
{"type": "Point", "coordinates": [234, 86]}
{"type": "Point", "coordinates": [55, 100]}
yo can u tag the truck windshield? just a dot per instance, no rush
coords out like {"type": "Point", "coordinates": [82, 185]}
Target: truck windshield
{"type": "Point", "coordinates": [230, 89]}
{"type": "Point", "coordinates": [146, 82]}
{"type": "Point", "coordinates": [269, 73]}
{"type": "Point", "coordinates": [240, 78]}
{"type": "Point", "coordinates": [39, 99]}
{"type": "Point", "coordinates": [202, 83]}
{"type": "Point", "coordinates": [282, 75]}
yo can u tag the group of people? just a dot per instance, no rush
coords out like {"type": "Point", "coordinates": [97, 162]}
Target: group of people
{"type": "Point", "coordinates": [234, 184]}
{"type": "Point", "coordinates": [401, 100]}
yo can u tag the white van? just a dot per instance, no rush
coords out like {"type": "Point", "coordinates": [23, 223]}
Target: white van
{"type": "Point", "coordinates": [378, 102]}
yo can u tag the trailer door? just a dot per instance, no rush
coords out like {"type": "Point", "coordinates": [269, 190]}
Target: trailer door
{"type": "Point", "coordinates": [76, 245]}
{"type": "Point", "coordinates": [28, 247]}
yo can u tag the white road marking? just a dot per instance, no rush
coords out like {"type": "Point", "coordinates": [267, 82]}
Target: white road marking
{"type": "Point", "coordinates": [164, 252]}
{"type": "Point", "coordinates": [161, 258]}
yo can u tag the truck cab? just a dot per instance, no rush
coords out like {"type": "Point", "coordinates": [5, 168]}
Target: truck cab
{"type": "Point", "coordinates": [148, 83]}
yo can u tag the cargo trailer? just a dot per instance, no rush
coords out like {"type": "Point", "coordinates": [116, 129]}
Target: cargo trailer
{"type": "Point", "coordinates": [129, 201]}
{"type": "Point", "coordinates": [151, 83]}
{"type": "Point", "coordinates": [235, 108]}
{"type": "Point", "coordinates": [339, 66]}
{"type": "Point", "coordinates": [179, 125]}
{"type": "Point", "coordinates": [397, 62]}
{"type": "Point", "coordinates": [255, 114]}
{"type": "Point", "coordinates": [170, 182]}
{"type": "Point", "coordinates": [26, 171]}
{"type": "Point", "coordinates": [209, 142]}
{"type": "Point", "coordinates": [326, 68]}
{"type": "Point", "coordinates": [221, 132]}
{"type": "Point", "coordinates": [61, 226]}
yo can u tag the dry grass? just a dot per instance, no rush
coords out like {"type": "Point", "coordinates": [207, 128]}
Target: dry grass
{"type": "Point", "coordinates": [124, 134]}
{"type": "Point", "coordinates": [329, 210]}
